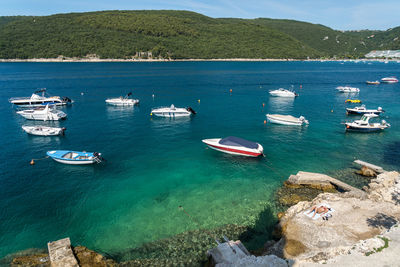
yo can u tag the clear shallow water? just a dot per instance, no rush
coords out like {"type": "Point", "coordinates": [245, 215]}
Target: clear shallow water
{"type": "Point", "coordinates": [155, 165]}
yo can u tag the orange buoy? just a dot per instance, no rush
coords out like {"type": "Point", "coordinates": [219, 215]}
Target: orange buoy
{"type": "Point", "coordinates": [230, 90]}
{"type": "Point", "coordinates": [32, 162]}
{"type": "Point", "coordinates": [301, 86]}
{"type": "Point", "coordinates": [263, 104]}
{"type": "Point", "coordinates": [265, 121]}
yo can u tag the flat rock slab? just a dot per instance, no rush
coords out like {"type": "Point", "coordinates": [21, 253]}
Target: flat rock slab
{"type": "Point", "coordinates": [61, 254]}
{"type": "Point", "coordinates": [311, 178]}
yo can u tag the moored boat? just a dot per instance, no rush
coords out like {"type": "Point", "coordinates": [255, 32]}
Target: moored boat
{"type": "Point", "coordinates": [235, 146]}
{"type": "Point", "coordinates": [389, 80]}
{"type": "Point", "coordinates": [353, 101]}
{"type": "Point", "coordinates": [46, 113]}
{"type": "Point", "coordinates": [283, 93]}
{"type": "Point", "coordinates": [363, 124]}
{"type": "Point", "coordinates": [36, 100]}
{"type": "Point", "coordinates": [172, 112]}
{"type": "Point", "coordinates": [347, 89]}
{"type": "Point", "coordinates": [43, 130]}
{"type": "Point", "coordinates": [122, 101]}
{"type": "Point", "coordinates": [363, 110]}
{"type": "Point", "coordinates": [75, 157]}
{"type": "Point", "coordinates": [373, 82]}
{"type": "Point", "coordinates": [286, 119]}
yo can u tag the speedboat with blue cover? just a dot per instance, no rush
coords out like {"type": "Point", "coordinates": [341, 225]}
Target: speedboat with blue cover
{"type": "Point", "coordinates": [363, 124]}
{"type": "Point", "coordinates": [363, 110]}
{"type": "Point", "coordinates": [75, 157]}
{"type": "Point", "coordinates": [235, 146]}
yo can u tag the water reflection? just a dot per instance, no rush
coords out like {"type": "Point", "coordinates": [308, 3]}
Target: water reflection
{"type": "Point", "coordinates": [280, 104]}
{"type": "Point", "coordinates": [117, 112]}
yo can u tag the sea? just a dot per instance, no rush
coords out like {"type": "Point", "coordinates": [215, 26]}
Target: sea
{"type": "Point", "coordinates": [159, 179]}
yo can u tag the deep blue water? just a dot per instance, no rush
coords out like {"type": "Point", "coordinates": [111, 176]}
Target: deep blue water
{"type": "Point", "coordinates": [155, 165]}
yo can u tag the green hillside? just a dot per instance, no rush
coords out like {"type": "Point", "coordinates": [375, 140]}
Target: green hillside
{"type": "Point", "coordinates": [178, 35]}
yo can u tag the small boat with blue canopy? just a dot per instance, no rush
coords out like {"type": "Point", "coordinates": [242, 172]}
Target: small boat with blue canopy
{"type": "Point", "coordinates": [235, 146]}
{"type": "Point", "coordinates": [75, 157]}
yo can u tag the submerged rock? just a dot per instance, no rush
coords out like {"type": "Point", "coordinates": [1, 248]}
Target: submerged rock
{"type": "Point", "coordinates": [37, 260]}
{"type": "Point", "coordinates": [365, 171]}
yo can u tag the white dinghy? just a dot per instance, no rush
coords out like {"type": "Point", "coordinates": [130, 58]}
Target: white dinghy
{"type": "Point", "coordinates": [286, 119]}
{"type": "Point", "coordinates": [43, 130]}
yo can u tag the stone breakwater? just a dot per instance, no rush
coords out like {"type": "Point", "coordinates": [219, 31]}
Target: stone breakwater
{"type": "Point", "coordinates": [357, 218]}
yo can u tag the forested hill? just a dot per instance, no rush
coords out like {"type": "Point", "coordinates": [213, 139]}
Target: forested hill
{"type": "Point", "coordinates": [179, 35]}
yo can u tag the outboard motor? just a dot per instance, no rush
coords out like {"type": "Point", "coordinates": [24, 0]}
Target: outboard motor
{"type": "Point", "coordinates": [66, 99]}
{"type": "Point", "coordinates": [384, 122]}
{"type": "Point", "coordinates": [63, 130]}
{"type": "Point", "coordinates": [98, 157]}
{"type": "Point", "coordinates": [191, 110]}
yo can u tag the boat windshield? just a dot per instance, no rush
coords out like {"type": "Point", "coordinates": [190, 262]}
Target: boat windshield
{"type": "Point", "coordinates": [236, 141]}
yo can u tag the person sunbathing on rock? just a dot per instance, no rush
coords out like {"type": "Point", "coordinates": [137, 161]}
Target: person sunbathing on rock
{"type": "Point", "coordinates": [321, 210]}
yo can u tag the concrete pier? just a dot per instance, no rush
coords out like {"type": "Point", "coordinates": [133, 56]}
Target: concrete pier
{"type": "Point", "coordinates": [61, 254]}
{"type": "Point", "coordinates": [318, 179]}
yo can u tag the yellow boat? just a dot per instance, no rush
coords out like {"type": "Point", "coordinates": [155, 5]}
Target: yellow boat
{"type": "Point", "coordinates": [353, 100]}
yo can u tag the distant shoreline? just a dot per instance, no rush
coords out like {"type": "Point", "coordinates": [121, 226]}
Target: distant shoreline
{"type": "Point", "coordinates": [45, 60]}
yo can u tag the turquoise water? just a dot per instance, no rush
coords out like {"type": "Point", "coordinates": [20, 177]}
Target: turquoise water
{"type": "Point", "coordinates": [155, 165]}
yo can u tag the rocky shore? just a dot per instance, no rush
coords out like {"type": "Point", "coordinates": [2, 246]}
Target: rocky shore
{"type": "Point", "coordinates": [355, 227]}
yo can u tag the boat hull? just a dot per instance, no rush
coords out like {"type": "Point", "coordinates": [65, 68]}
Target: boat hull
{"type": "Point", "coordinates": [354, 112]}
{"type": "Point", "coordinates": [282, 122]}
{"type": "Point", "coordinates": [41, 117]}
{"type": "Point", "coordinates": [72, 162]}
{"type": "Point", "coordinates": [45, 131]}
{"type": "Point", "coordinates": [282, 95]}
{"type": "Point", "coordinates": [363, 129]}
{"type": "Point", "coordinates": [122, 103]}
{"type": "Point", "coordinates": [213, 144]}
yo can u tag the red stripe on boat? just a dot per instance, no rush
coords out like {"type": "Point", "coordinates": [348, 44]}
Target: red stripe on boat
{"type": "Point", "coordinates": [237, 151]}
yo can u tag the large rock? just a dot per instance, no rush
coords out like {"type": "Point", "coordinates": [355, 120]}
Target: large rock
{"type": "Point", "coordinates": [89, 258]}
{"type": "Point", "coordinates": [354, 219]}
{"type": "Point", "coordinates": [365, 171]}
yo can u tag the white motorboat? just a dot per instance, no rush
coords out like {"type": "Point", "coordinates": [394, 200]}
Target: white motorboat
{"type": "Point", "coordinates": [283, 93]}
{"type": "Point", "coordinates": [286, 119]}
{"type": "Point", "coordinates": [363, 124]}
{"type": "Point", "coordinates": [36, 100]}
{"type": "Point", "coordinates": [43, 130]}
{"type": "Point", "coordinates": [347, 89]}
{"type": "Point", "coordinates": [75, 157]}
{"type": "Point", "coordinates": [46, 113]}
{"type": "Point", "coordinates": [235, 146]}
{"type": "Point", "coordinates": [172, 112]}
{"type": "Point", "coordinates": [389, 80]}
{"type": "Point", "coordinates": [122, 101]}
{"type": "Point", "coordinates": [363, 110]}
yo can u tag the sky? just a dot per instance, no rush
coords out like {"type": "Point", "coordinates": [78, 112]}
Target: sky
{"type": "Point", "coordinates": [337, 14]}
